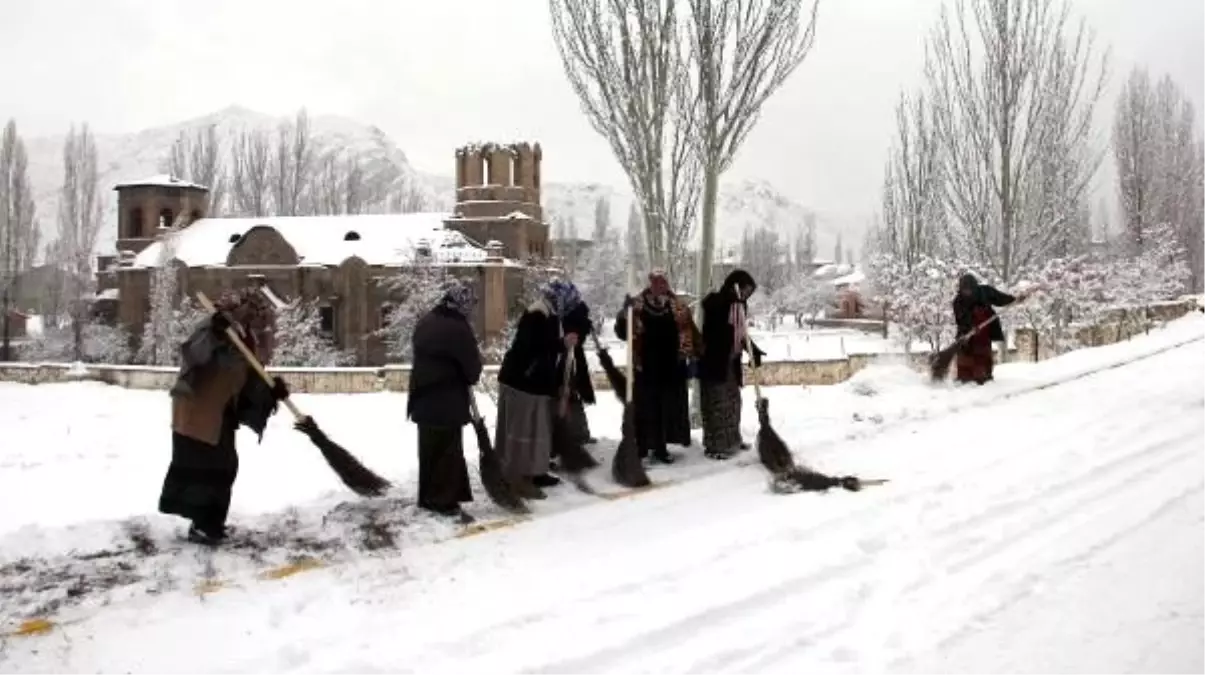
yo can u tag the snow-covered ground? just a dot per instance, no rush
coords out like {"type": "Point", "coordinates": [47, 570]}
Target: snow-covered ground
{"type": "Point", "coordinates": [1049, 521]}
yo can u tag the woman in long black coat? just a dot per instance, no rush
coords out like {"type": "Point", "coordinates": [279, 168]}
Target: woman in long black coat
{"type": "Point", "coordinates": [663, 347]}
{"type": "Point", "coordinates": [446, 366]}
{"type": "Point", "coordinates": [528, 383]}
{"type": "Point", "coordinates": [725, 326]}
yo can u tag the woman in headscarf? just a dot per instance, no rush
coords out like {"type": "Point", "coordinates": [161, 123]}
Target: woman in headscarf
{"type": "Point", "coordinates": [215, 392]}
{"type": "Point", "coordinates": [581, 389]}
{"type": "Point", "coordinates": [972, 306]}
{"type": "Point", "coordinates": [664, 344]}
{"type": "Point", "coordinates": [445, 367]}
{"type": "Point", "coordinates": [725, 326]}
{"type": "Point", "coordinates": [528, 382]}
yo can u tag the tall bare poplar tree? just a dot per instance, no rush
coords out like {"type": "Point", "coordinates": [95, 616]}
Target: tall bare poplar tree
{"type": "Point", "coordinates": [741, 52]}
{"type": "Point", "coordinates": [19, 234]}
{"type": "Point", "coordinates": [1016, 84]}
{"type": "Point", "coordinates": [198, 158]}
{"type": "Point", "coordinates": [251, 163]}
{"type": "Point", "coordinates": [79, 224]}
{"type": "Point", "coordinates": [626, 62]}
{"type": "Point", "coordinates": [913, 208]}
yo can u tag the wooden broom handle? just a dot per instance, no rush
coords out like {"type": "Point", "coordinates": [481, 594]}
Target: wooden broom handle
{"type": "Point", "coordinates": [752, 363]}
{"type": "Point", "coordinates": [252, 360]}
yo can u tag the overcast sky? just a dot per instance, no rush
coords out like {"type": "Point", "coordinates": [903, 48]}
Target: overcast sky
{"type": "Point", "coordinates": [437, 73]}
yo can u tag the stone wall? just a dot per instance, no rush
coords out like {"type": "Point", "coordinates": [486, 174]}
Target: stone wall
{"type": "Point", "coordinates": [397, 377]}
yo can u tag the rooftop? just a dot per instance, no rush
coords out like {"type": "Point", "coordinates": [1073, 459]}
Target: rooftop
{"type": "Point", "coordinates": [161, 180]}
{"type": "Point", "coordinates": [321, 240]}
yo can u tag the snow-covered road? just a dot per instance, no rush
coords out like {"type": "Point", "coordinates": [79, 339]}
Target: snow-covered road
{"type": "Point", "coordinates": [1059, 530]}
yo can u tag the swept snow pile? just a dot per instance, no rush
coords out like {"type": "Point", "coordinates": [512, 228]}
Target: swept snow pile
{"type": "Point", "coordinates": [881, 378]}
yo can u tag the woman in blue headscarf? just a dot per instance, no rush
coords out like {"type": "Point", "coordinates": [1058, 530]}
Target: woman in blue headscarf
{"type": "Point", "coordinates": [528, 382]}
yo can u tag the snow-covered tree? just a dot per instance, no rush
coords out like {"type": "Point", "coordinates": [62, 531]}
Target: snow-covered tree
{"type": "Point", "coordinates": [803, 297]}
{"type": "Point", "coordinates": [19, 233]}
{"type": "Point", "coordinates": [300, 341]}
{"type": "Point", "coordinates": [413, 291]}
{"type": "Point", "coordinates": [916, 296]}
{"type": "Point", "coordinates": [79, 220]}
{"type": "Point", "coordinates": [601, 275]}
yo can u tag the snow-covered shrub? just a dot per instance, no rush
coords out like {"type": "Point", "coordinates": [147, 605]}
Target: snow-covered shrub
{"type": "Point", "coordinates": [101, 344]}
{"type": "Point", "coordinates": [413, 291]}
{"type": "Point", "coordinates": [300, 341]}
{"type": "Point", "coordinates": [166, 328]}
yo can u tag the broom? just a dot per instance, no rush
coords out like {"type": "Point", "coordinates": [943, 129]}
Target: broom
{"type": "Point", "coordinates": [626, 467]}
{"type": "Point", "coordinates": [939, 362]}
{"type": "Point", "coordinates": [572, 456]}
{"type": "Point", "coordinates": [490, 467]}
{"type": "Point", "coordinates": [619, 383]}
{"type": "Point", "coordinates": [354, 475]}
{"type": "Point", "coordinates": [786, 475]}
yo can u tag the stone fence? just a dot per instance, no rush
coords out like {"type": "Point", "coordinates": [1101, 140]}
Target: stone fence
{"type": "Point", "coordinates": [397, 377]}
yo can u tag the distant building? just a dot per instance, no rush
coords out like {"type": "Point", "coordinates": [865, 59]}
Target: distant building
{"type": "Point", "coordinates": [496, 226]}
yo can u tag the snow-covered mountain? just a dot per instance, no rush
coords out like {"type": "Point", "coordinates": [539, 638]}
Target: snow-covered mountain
{"type": "Point", "coordinates": [743, 204]}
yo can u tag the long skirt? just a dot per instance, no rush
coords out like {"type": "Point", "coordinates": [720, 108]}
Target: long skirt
{"type": "Point", "coordinates": [200, 481]}
{"type": "Point", "coordinates": [975, 362]}
{"type": "Point", "coordinates": [721, 407]}
{"type": "Point", "coordinates": [443, 476]}
{"type": "Point", "coordinates": [662, 413]}
{"type": "Point", "coordinates": [523, 432]}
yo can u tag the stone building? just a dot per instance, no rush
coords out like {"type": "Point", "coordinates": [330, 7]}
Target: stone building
{"type": "Point", "coordinates": [343, 263]}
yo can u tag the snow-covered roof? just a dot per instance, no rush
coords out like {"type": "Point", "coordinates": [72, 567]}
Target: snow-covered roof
{"type": "Point", "coordinates": [854, 277]}
{"type": "Point", "coordinates": [322, 240]}
{"type": "Point", "coordinates": [161, 180]}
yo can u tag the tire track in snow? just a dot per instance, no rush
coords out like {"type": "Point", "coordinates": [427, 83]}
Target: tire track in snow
{"type": "Point", "coordinates": [1098, 482]}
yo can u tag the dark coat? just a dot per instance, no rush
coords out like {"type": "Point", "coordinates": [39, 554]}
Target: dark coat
{"type": "Point", "coordinates": [717, 364]}
{"type": "Point", "coordinates": [578, 321]}
{"type": "Point", "coordinates": [984, 297]}
{"type": "Point", "coordinates": [657, 343]}
{"type": "Point", "coordinates": [446, 365]}
{"type": "Point", "coordinates": [531, 364]}
{"type": "Point", "coordinates": [215, 386]}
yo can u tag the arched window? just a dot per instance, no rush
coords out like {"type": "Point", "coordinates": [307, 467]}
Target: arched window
{"type": "Point", "coordinates": [351, 235]}
{"type": "Point", "coordinates": [166, 219]}
{"type": "Point", "coordinates": [134, 222]}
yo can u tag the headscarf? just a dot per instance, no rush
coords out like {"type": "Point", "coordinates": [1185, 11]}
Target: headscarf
{"type": "Point", "coordinates": [458, 296]}
{"type": "Point", "coordinates": [968, 282]}
{"type": "Point", "coordinates": [561, 295]}
{"type": "Point", "coordinates": [659, 289]}
{"type": "Point", "coordinates": [254, 314]}
{"type": "Point", "coordinates": [736, 311]}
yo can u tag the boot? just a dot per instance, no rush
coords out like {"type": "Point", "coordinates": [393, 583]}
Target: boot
{"type": "Point", "coordinates": [663, 456]}
{"type": "Point", "coordinates": [525, 489]}
{"type": "Point", "coordinates": [545, 480]}
{"type": "Point", "coordinates": [210, 537]}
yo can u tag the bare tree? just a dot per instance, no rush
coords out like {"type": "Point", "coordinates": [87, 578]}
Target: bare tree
{"type": "Point", "coordinates": [1159, 168]}
{"type": "Point", "coordinates": [292, 166]}
{"type": "Point", "coordinates": [251, 170]}
{"type": "Point", "coordinates": [1016, 87]}
{"type": "Point", "coordinates": [79, 223]}
{"type": "Point", "coordinates": [741, 52]}
{"type": "Point", "coordinates": [627, 64]}
{"type": "Point", "coordinates": [18, 226]}
{"type": "Point", "coordinates": [913, 207]}
{"type": "Point", "coordinates": [340, 187]}
{"type": "Point", "coordinates": [197, 157]}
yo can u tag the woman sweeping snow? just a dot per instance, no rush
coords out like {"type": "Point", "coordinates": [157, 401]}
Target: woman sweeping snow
{"type": "Point", "coordinates": [720, 376]}
{"type": "Point", "coordinates": [446, 366]}
{"type": "Point", "coordinates": [528, 382]}
{"type": "Point", "coordinates": [664, 340]}
{"type": "Point", "coordinates": [215, 392]}
{"type": "Point", "coordinates": [972, 307]}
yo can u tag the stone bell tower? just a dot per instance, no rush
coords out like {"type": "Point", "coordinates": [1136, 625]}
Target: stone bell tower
{"type": "Point", "coordinates": [146, 207]}
{"type": "Point", "coordinates": [498, 198]}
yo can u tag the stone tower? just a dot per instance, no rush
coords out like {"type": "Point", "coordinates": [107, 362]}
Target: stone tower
{"type": "Point", "coordinates": [146, 207]}
{"type": "Point", "coordinates": [498, 198]}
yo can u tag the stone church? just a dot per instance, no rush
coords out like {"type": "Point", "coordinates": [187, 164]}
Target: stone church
{"type": "Point", "coordinates": [495, 231]}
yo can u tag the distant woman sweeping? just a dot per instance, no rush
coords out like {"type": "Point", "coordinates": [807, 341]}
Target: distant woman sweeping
{"type": "Point", "coordinates": [215, 392]}
{"type": "Point", "coordinates": [972, 307]}
{"type": "Point", "coordinates": [528, 382]}
{"type": "Point", "coordinates": [581, 394]}
{"type": "Point", "coordinates": [446, 366]}
{"type": "Point", "coordinates": [725, 323]}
